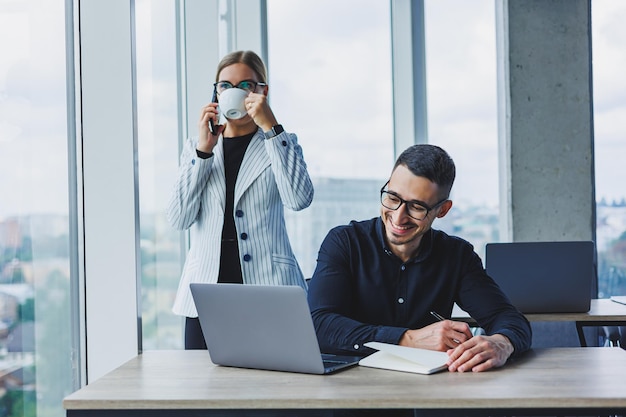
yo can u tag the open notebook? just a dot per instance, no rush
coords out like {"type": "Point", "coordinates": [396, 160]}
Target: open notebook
{"type": "Point", "coordinates": [405, 359]}
{"type": "Point", "coordinates": [619, 298]}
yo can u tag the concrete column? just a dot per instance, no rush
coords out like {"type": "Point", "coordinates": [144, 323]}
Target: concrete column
{"type": "Point", "coordinates": [546, 130]}
{"type": "Point", "coordinates": [546, 120]}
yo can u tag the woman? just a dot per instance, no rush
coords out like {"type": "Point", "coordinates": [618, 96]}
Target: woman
{"type": "Point", "coordinates": [231, 189]}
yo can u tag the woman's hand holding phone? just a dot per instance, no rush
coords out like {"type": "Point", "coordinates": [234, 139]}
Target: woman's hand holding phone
{"type": "Point", "coordinates": [207, 138]}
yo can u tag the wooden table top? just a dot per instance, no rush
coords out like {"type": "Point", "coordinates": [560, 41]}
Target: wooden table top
{"type": "Point", "coordinates": [601, 310]}
{"type": "Point", "coordinates": [543, 378]}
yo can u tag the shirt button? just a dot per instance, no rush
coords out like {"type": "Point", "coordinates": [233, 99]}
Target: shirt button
{"type": "Point", "coordinates": [400, 300]}
{"type": "Point", "coordinates": [356, 347]}
{"type": "Point", "coordinates": [247, 257]}
{"type": "Point", "coordinates": [239, 213]}
{"type": "Point", "coordinates": [244, 236]}
{"type": "Point", "coordinates": [403, 267]}
{"type": "Point", "coordinates": [284, 143]}
{"type": "Point", "coordinates": [193, 162]}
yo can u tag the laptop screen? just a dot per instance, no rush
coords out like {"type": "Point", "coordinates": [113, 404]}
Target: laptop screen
{"type": "Point", "coordinates": [544, 277]}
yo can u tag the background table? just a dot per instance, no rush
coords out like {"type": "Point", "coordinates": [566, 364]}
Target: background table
{"type": "Point", "coordinates": [571, 381]}
{"type": "Point", "coordinates": [603, 312]}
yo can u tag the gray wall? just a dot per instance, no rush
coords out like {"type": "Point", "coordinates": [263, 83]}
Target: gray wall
{"type": "Point", "coordinates": [546, 129]}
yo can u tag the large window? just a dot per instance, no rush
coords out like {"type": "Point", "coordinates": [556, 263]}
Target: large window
{"type": "Point", "coordinates": [330, 83]}
{"type": "Point", "coordinates": [609, 88]}
{"type": "Point", "coordinates": [157, 134]}
{"type": "Point", "coordinates": [36, 352]}
{"type": "Point", "coordinates": [335, 93]}
{"type": "Point", "coordinates": [462, 111]}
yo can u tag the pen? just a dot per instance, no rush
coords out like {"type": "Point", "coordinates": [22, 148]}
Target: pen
{"type": "Point", "coordinates": [437, 316]}
{"type": "Point", "coordinates": [441, 318]}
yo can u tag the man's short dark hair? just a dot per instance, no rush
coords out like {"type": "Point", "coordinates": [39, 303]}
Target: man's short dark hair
{"type": "Point", "coordinates": [431, 162]}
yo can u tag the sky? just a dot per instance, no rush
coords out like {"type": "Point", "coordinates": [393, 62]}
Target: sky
{"type": "Point", "coordinates": [330, 82]}
{"type": "Point", "coordinates": [609, 61]}
{"type": "Point", "coordinates": [33, 121]}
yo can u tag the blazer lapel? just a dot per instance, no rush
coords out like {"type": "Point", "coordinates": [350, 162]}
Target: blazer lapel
{"type": "Point", "coordinates": [255, 161]}
{"type": "Point", "coordinates": [217, 180]}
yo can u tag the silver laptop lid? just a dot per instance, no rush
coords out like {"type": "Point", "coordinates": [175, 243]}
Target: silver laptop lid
{"type": "Point", "coordinates": [264, 327]}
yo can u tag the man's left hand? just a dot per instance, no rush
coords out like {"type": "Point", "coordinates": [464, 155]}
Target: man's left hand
{"type": "Point", "coordinates": [480, 353]}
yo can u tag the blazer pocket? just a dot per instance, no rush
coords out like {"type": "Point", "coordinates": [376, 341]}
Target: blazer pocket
{"type": "Point", "coordinates": [284, 261]}
{"type": "Point", "coordinates": [286, 267]}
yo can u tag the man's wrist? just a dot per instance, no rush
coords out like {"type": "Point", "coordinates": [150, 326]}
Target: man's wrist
{"type": "Point", "coordinates": [507, 342]}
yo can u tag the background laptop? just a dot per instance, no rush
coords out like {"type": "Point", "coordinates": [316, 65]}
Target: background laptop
{"type": "Point", "coordinates": [264, 327]}
{"type": "Point", "coordinates": [544, 277]}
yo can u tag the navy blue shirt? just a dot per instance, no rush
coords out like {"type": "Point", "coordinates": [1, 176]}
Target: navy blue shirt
{"type": "Point", "coordinates": [362, 292]}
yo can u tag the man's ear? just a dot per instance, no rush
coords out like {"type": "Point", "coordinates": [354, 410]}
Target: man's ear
{"type": "Point", "coordinates": [445, 207]}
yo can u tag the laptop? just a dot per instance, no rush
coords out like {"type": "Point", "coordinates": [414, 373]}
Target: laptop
{"type": "Point", "coordinates": [262, 327]}
{"type": "Point", "coordinates": [544, 277]}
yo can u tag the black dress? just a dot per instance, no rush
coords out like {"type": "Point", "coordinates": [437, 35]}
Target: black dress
{"type": "Point", "coordinates": [230, 266]}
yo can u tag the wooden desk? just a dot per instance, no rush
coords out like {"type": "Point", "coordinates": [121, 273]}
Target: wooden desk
{"type": "Point", "coordinates": [571, 381]}
{"type": "Point", "coordinates": [603, 312]}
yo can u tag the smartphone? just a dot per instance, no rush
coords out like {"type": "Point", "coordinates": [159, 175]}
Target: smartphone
{"type": "Point", "coordinates": [211, 122]}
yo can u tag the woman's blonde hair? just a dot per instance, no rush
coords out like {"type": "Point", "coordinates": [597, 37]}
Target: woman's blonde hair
{"type": "Point", "coordinates": [248, 58]}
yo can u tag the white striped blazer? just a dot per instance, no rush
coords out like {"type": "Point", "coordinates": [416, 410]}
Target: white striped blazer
{"type": "Point", "coordinates": [272, 174]}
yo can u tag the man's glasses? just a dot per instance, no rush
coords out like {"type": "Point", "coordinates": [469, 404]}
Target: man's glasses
{"type": "Point", "coordinates": [417, 211]}
{"type": "Point", "coordinates": [247, 85]}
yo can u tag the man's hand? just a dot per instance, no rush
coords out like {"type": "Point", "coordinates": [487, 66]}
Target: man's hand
{"type": "Point", "coordinates": [442, 336]}
{"type": "Point", "coordinates": [466, 352]}
{"type": "Point", "coordinates": [480, 353]}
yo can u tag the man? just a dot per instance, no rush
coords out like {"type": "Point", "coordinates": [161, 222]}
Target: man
{"type": "Point", "coordinates": [386, 278]}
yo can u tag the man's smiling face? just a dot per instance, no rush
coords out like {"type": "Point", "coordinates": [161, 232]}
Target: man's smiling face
{"type": "Point", "coordinates": [403, 233]}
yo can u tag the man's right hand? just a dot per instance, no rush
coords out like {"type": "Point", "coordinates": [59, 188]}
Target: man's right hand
{"type": "Point", "coordinates": [441, 336]}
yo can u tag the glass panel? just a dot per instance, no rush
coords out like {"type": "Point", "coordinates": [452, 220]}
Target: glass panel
{"type": "Point", "coordinates": [36, 367]}
{"type": "Point", "coordinates": [609, 95]}
{"type": "Point", "coordinates": [462, 111]}
{"type": "Point", "coordinates": [157, 150]}
{"type": "Point", "coordinates": [334, 92]}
